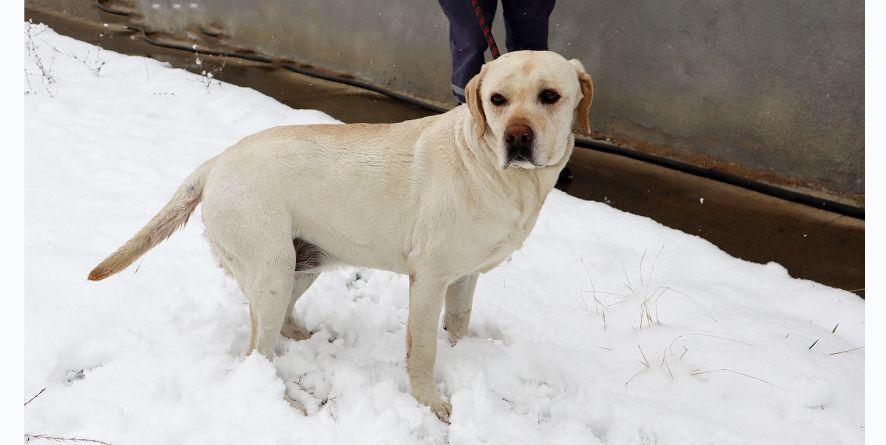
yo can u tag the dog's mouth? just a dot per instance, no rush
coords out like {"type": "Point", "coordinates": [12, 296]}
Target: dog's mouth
{"type": "Point", "coordinates": [520, 155]}
{"type": "Point", "coordinates": [521, 162]}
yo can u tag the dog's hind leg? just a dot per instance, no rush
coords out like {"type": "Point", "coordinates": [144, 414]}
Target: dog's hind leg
{"type": "Point", "coordinates": [268, 294]}
{"type": "Point", "coordinates": [291, 328]}
{"type": "Point", "coordinates": [269, 290]}
{"type": "Point", "coordinates": [255, 243]}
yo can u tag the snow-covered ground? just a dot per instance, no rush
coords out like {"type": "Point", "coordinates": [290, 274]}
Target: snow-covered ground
{"type": "Point", "coordinates": [606, 327]}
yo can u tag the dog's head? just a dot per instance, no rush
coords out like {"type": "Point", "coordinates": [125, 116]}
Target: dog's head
{"type": "Point", "coordinates": [528, 101]}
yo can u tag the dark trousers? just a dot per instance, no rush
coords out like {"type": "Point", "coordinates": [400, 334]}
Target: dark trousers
{"type": "Point", "coordinates": [526, 24]}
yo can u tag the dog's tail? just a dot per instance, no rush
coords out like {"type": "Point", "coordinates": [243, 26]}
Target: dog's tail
{"type": "Point", "coordinates": [172, 217]}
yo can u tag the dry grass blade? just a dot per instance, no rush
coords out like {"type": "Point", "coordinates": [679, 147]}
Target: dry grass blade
{"type": "Point", "coordinates": [741, 374]}
{"type": "Point", "coordinates": [587, 272]}
{"type": "Point", "coordinates": [606, 293]}
{"type": "Point", "coordinates": [651, 269]}
{"type": "Point", "coordinates": [598, 306]}
{"type": "Point", "coordinates": [644, 314]}
{"type": "Point", "coordinates": [585, 303]}
{"type": "Point", "coordinates": [645, 362]}
{"type": "Point", "coordinates": [628, 283]}
{"type": "Point", "coordinates": [654, 261]}
{"type": "Point", "coordinates": [690, 299]}
{"type": "Point", "coordinates": [671, 346]}
{"type": "Point", "coordinates": [655, 295]}
{"type": "Point", "coordinates": [643, 257]}
{"type": "Point", "coordinates": [815, 342]}
{"type": "Point", "coordinates": [62, 439]}
{"type": "Point", "coordinates": [593, 294]}
{"type": "Point", "coordinates": [665, 363]}
{"type": "Point", "coordinates": [35, 396]}
{"type": "Point", "coordinates": [603, 308]}
{"type": "Point", "coordinates": [634, 376]}
{"type": "Point", "coordinates": [644, 311]}
{"type": "Point", "coordinates": [848, 350]}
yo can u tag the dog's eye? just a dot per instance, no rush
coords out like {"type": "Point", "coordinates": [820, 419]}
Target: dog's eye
{"type": "Point", "coordinates": [498, 100]}
{"type": "Point", "coordinates": [548, 96]}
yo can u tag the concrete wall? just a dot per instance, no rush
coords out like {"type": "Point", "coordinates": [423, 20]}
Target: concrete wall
{"type": "Point", "coordinates": [772, 90]}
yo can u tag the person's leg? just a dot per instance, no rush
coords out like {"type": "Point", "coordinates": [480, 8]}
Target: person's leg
{"type": "Point", "coordinates": [466, 41]}
{"type": "Point", "coordinates": [526, 23]}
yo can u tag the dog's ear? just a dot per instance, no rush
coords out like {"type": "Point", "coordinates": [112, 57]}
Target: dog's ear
{"type": "Point", "coordinates": [475, 103]}
{"type": "Point", "coordinates": [587, 92]}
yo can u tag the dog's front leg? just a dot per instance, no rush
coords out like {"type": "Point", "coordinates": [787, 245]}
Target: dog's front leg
{"type": "Point", "coordinates": [459, 299]}
{"type": "Point", "coordinates": [426, 294]}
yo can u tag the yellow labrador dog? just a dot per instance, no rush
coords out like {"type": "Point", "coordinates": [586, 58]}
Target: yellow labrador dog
{"type": "Point", "coordinates": [442, 199]}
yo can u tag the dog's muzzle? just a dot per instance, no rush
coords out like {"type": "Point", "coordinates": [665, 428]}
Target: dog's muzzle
{"type": "Point", "coordinates": [519, 143]}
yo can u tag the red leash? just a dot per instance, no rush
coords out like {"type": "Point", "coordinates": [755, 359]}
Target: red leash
{"type": "Point", "coordinates": [485, 27]}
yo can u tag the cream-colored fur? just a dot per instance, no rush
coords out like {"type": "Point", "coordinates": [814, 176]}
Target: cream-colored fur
{"type": "Point", "coordinates": [435, 198]}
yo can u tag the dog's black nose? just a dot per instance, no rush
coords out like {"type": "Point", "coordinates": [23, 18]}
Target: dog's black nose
{"type": "Point", "coordinates": [518, 140]}
{"type": "Point", "coordinates": [518, 133]}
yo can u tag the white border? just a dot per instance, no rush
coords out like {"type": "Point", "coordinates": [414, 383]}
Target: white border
{"type": "Point", "coordinates": [12, 225]}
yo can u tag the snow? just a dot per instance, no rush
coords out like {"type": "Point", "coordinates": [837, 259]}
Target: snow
{"type": "Point", "coordinates": [606, 327]}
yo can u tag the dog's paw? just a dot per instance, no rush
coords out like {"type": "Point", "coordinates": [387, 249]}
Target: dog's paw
{"type": "Point", "coordinates": [295, 332]}
{"type": "Point", "coordinates": [441, 408]}
{"type": "Point", "coordinates": [455, 329]}
{"type": "Point", "coordinates": [454, 337]}
{"type": "Point", "coordinates": [295, 404]}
